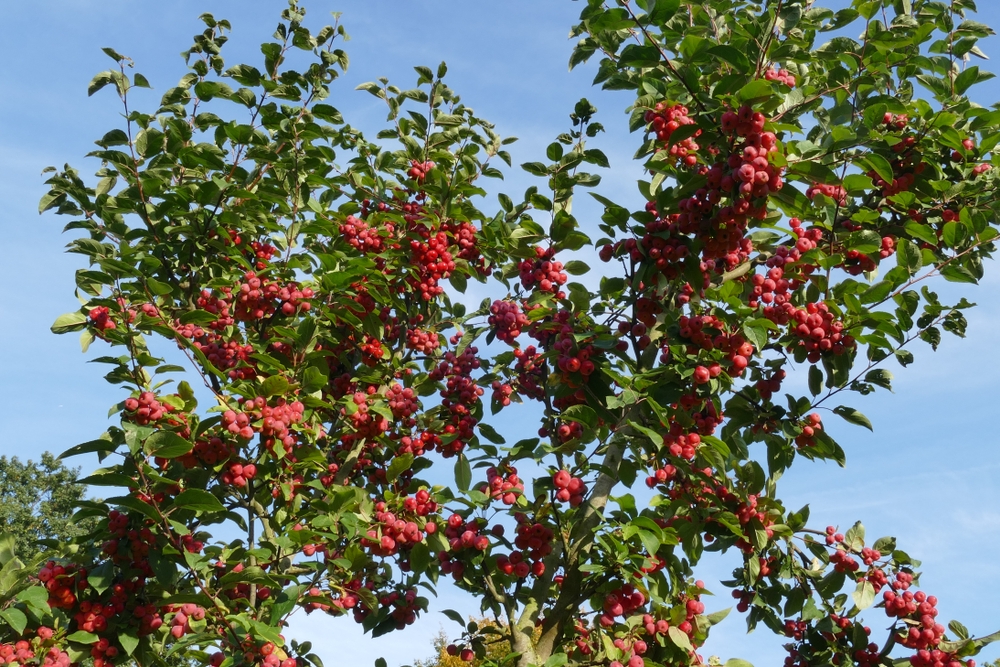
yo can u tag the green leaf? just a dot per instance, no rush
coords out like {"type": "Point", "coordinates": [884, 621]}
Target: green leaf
{"type": "Point", "coordinates": [737, 662]}
{"type": "Point", "coordinates": [463, 473]}
{"type": "Point", "coordinates": [557, 660]}
{"type": "Point", "coordinates": [731, 55]}
{"type": "Point", "coordinates": [583, 414]}
{"type": "Point", "coordinates": [167, 445]}
{"type": "Point", "coordinates": [198, 317]}
{"type": "Point", "coordinates": [88, 447]}
{"type": "Point", "coordinates": [276, 385]}
{"type": "Point", "coordinates": [853, 416]}
{"type": "Point", "coordinates": [15, 619]}
{"type": "Point", "coordinates": [35, 596]}
{"type": "Point", "coordinates": [576, 268]}
{"type": "Point", "coordinates": [157, 287]}
{"type": "Point", "coordinates": [99, 81]}
{"type": "Point", "coordinates": [857, 183]}
{"type": "Point", "coordinates": [661, 11]}
{"type": "Point", "coordinates": [69, 322]}
{"type": "Point", "coordinates": [863, 595]}
{"type": "Point", "coordinates": [129, 640]}
{"type": "Point", "coordinates": [454, 615]}
{"type": "Point", "coordinates": [908, 256]}
{"type": "Point", "coordinates": [679, 639]}
{"type": "Point", "coordinates": [102, 576]}
{"type": "Point", "coordinates": [649, 541]}
{"type": "Point", "coordinates": [717, 617]}
{"type": "Point", "coordinates": [398, 465]}
{"type": "Point", "coordinates": [815, 380]}
{"type": "Point", "coordinates": [879, 165]}
{"type": "Point", "coordinates": [249, 575]}
{"type": "Point", "coordinates": [490, 434]}
{"type": "Point", "coordinates": [198, 500]}
{"type": "Point", "coordinates": [880, 377]}
{"type": "Point", "coordinates": [420, 557]}
{"type": "Point", "coordinates": [82, 637]}
{"type": "Point", "coordinates": [756, 91]}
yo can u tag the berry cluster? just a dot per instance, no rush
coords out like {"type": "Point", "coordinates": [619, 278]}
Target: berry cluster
{"type": "Point", "coordinates": [745, 178]}
{"type": "Point", "coordinates": [780, 75]}
{"type": "Point", "coordinates": [622, 601]}
{"type": "Point", "coordinates": [275, 419]}
{"type": "Point", "coordinates": [661, 476]}
{"type": "Point", "coordinates": [421, 504]}
{"type": "Point", "coordinates": [565, 431]}
{"type": "Point", "coordinates": [507, 320]}
{"type": "Point", "coordinates": [180, 624]}
{"type": "Point", "coordinates": [919, 607]}
{"type": "Point", "coordinates": [257, 298]}
{"type": "Point", "coordinates": [391, 534]}
{"type": "Point", "coordinates": [530, 369]}
{"type": "Point", "coordinates": [813, 423]}
{"type": "Point", "coordinates": [100, 319]}
{"type": "Point", "coordinates": [145, 409]}
{"type": "Point", "coordinates": [461, 535]}
{"type": "Point", "coordinates": [835, 192]}
{"type": "Point", "coordinates": [505, 487]}
{"type": "Point", "coordinates": [748, 511]}
{"type": "Point", "coordinates": [543, 272]}
{"type": "Point", "coordinates": [21, 653]}
{"type": "Point", "coordinates": [364, 238]}
{"type": "Point", "coordinates": [62, 582]}
{"type": "Point", "coordinates": [422, 341]}
{"type": "Point", "coordinates": [431, 262]}
{"type": "Point", "coordinates": [533, 543]}
{"type": "Point", "coordinates": [856, 263]}
{"type": "Point", "coordinates": [501, 394]}
{"type": "Point", "coordinates": [460, 397]}
{"type": "Point", "coordinates": [403, 404]}
{"type": "Point", "coordinates": [768, 386]}
{"type": "Point", "coordinates": [569, 488]}
{"type": "Point", "coordinates": [663, 121]}
{"type": "Point", "coordinates": [418, 170]}
{"type": "Point", "coordinates": [819, 331]}
{"type": "Point", "coordinates": [238, 474]}
{"type": "Point", "coordinates": [707, 333]}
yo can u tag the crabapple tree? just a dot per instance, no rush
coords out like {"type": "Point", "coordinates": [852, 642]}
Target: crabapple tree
{"type": "Point", "coordinates": [811, 173]}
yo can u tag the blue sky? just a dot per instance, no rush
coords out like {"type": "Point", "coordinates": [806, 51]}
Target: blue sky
{"type": "Point", "coordinates": [928, 474]}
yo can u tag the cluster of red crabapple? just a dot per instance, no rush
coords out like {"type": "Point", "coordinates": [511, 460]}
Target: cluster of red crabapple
{"type": "Point", "coordinates": [835, 192]}
{"type": "Point", "coordinates": [697, 331]}
{"type": "Point", "coordinates": [458, 397]}
{"type": "Point", "coordinates": [569, 488]}
{"type": "Point", "coordinates": [507, 320]}
{"type": "Point", "coordinates": [533, 543]}
{"type": "Point", "coordinates": [504, 487]}
{"type": "Point", "coordinates": [431, 261]}
{"type": "Point", "coordinates": [180, 623]}
{"type": "Point", "coordinates": [780, 75]}
{"type": "Point", "coordinates": [364, 238]}
{"type": "Point", "coordinates": [663, 120]}
{"type": "Point", "coordinates": [744, 177]}
{"type": "Point", "coordinates": [422, 341]}
{"type": "Point", "coordinates": [22, 653]}
{"type": "Point", "coordinates": [461, 535]}
{"type": "Point", "coordinates": [813, 423]}
{"type": "Point", "coordinates": [543, 272]}
{"type": "Point", "coordinates": [391, 533]}
{"type": "Point", "coordinates": [256, 298]}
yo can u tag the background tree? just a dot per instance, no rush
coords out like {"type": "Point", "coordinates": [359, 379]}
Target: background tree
{"type": "Point", "coordinates": [447, 654]}
{"type": "Point", "coordinates": [37, 502]}
{"type": "Point", "coordinates": [301, 270]}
